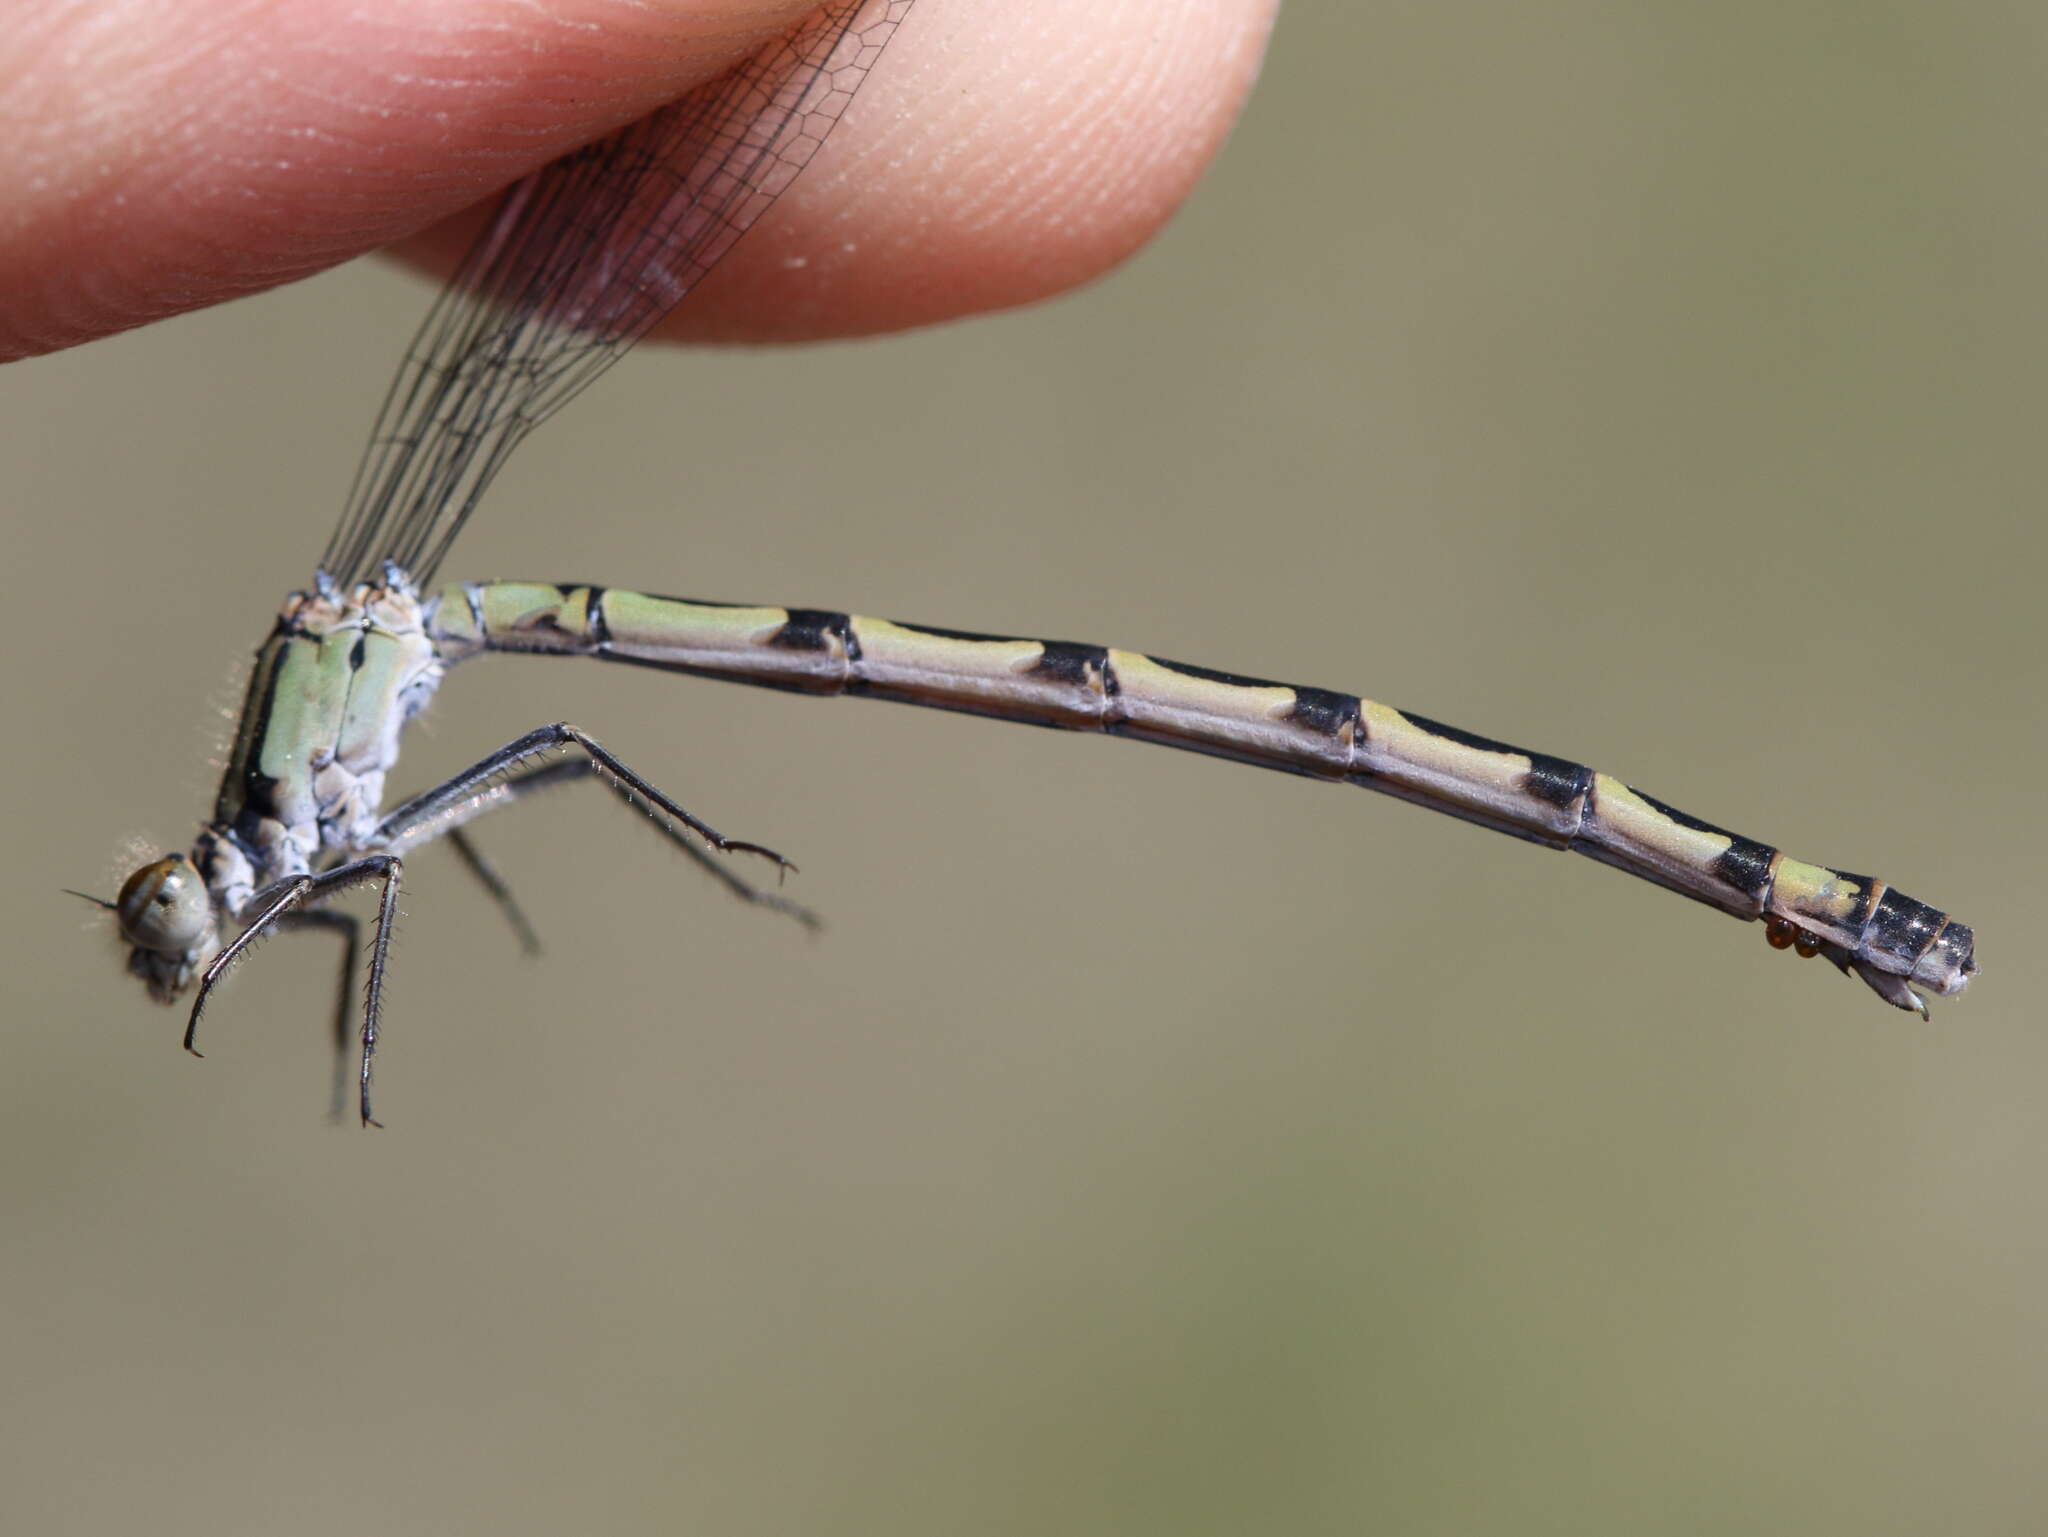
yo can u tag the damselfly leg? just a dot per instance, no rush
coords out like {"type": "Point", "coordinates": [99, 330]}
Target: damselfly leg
{"type": "Point", "coordinates": [565, 771]}
{"type": "Point", "coordinates": [423, 816]}
{"type": "Point", "coordinates": [495, 887]}
{"type": "Point", "coordinates": [350, 929]}
{"type": "Point", "coordinates": [293, 899]}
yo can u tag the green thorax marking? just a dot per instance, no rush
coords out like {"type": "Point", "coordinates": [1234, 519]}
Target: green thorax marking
{"type": "Point", "coordinates": [332, 688]}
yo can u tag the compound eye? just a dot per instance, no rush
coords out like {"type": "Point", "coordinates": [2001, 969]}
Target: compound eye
{"type": "Point", "coordinates": [164, 906]}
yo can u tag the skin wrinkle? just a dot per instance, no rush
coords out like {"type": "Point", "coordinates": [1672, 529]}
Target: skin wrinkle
{"type": "Point", "coordinates": [170, 155]}
{"type": "Point", "coordinates": [1102, 180]}
{"type": "Point", "coordinates": [531, 71]}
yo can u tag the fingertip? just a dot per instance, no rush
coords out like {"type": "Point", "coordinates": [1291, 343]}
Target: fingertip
{"type": "Point", "coordinates": [167, 156]}
{"type": "Point", "coordinates": [1002, 157]}
{"type": "Point", "coordinates": [999, 154]}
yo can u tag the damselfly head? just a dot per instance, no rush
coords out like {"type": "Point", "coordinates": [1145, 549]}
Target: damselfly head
{"type": "Point", "coordinates": [166, 913]}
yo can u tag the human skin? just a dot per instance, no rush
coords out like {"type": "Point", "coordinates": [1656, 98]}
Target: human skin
{"type": "Point", "coordinates": [165, 155]}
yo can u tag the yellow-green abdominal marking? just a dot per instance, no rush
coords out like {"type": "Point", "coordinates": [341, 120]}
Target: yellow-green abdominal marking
{"type": "Point", "coordinates": [1864, 926]}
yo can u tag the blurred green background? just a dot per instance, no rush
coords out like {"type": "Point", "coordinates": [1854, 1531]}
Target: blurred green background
{"type": "Point", "coordinates": [1150, 1145]}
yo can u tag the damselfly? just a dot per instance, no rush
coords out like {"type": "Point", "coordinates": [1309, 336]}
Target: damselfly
{"type": "Point", "coordinates": [579, 262]}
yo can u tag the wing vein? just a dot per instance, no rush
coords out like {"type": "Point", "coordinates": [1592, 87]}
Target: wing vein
{"type": "Point", "coordinates": [579, 261]}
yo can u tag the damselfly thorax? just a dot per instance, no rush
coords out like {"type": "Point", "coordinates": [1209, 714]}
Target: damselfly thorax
{"type": "Point", "coordinates": [330, 692]}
